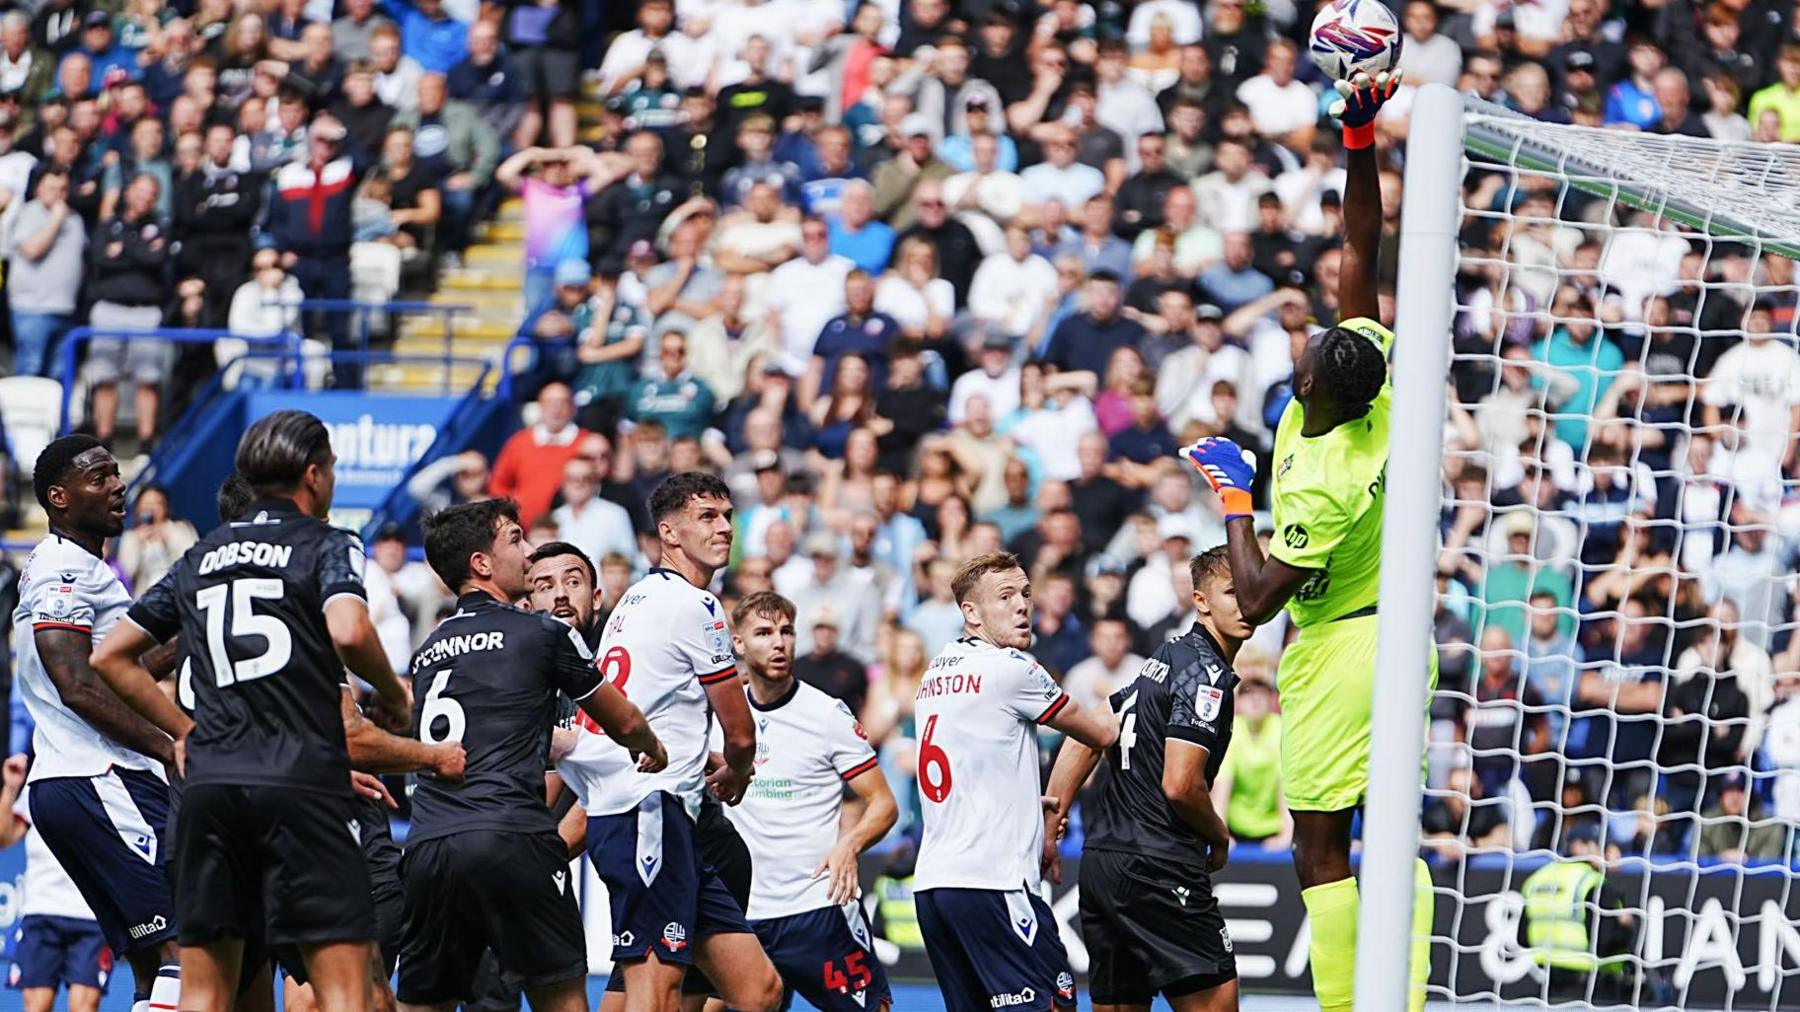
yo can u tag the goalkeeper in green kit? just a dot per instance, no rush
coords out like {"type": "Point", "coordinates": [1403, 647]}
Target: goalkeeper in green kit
{"type": "Point", "coordinates": [1324, 566]}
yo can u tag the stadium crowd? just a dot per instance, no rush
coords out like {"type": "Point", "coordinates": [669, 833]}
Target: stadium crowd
{"type": "Point", "coordinates": [926, 279]}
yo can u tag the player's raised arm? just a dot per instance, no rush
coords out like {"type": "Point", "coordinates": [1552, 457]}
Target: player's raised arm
{"type": "Point", "coordinates": [1361, 100]}
{"type": "Point", "coordinates": [1264, 584]}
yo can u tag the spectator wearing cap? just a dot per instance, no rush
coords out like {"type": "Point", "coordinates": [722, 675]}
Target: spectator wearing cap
{"type": "Point", "coordinates": [555, 196]}
{"type": "Point", "coordinates": [44, 252]}
{"type": "Point", "coordinates": [1735, 828]}
{"type": "Point", "coordinates": [833, 597]}
{"type": "Point", "coordinates": [1427, 57]}
{"type": "Point", "coordinates": [567, 315]}
{"type": "Point", "coordinates": [453, 145]}
{"type": "Point", "coordinates": [629, 52]}
{"type": "Point", "coordinates": [1085, 342]}
{"type": "Point", "coordinates": [101, 48]}
{"type": "Point", "coordinates": [591, 523]}
{"type": "Point", "coordinates": [898, 178]}
{"type": "Point", "coordinates": [126, 263]}
{"type": "Point", "coordinates": [483, 81]}
{"type": "Point", "coordinates": [353, 30]}
{"type": "Point", "coordinates": [1059, 176]}
{"type": "Point", "coordinates": [756, 140]}
{"type": "Point", "coordinates": [309, 221]}
{"type": "Point", "coordinates": [856, 235]}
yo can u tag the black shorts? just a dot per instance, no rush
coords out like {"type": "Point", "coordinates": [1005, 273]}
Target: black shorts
{"type": "Point", "coordinates": [1151, 926]}
{"type": "Point", "coordinates": [383, 857]}
{"type": "Point", "coordinates": [280, 863]}
{"type": "Point", "coordinates": [546, 72]}
{"type": "Point", "coordinates": [483, 889]}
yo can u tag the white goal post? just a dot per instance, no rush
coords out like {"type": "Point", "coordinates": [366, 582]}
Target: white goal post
{"type": "Point", "coordinates": [1518, 237]}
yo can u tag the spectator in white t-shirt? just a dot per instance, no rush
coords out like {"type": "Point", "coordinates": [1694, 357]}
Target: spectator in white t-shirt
{"type": "Point", "coordinates": [1227, 195]}
{"type": "Point", "coordinates": [1757, 383]}
{"type": "Point", "coordinates": [1059, 176]}
{"type": "Point", "coordinates": [1111, 666]}
{"type": "Point", "coordinates": [1013, 288]}
{"type": "Point", "coordinates": [596, 526]}
{"type": "Point", "coordinates": [805, 293]}
{"type": "Point", "coordinates": [1282, 108]}
{"type": "Point", "coordinates": [1426, 56]}
{"type": "Point", "coordinates": [996, 379]}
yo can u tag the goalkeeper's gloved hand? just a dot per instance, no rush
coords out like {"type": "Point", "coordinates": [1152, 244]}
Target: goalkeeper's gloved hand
{"type": "Point", "coordinates": [1361, 98]}
{"type": "Point", "coordinates": [1228, 468]}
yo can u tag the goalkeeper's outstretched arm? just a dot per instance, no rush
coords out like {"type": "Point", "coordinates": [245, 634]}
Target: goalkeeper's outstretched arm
{"type": "Point", "coordinates": [1362, 99]}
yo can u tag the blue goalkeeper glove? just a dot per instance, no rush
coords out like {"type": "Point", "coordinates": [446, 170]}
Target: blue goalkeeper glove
{"type": "Point", "coordinates": [1360, 100]}
{"type": "Point", "coordinates": [1228, 468]}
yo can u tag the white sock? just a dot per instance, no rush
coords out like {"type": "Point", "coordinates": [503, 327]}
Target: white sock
{"type": "Point", "coordinates": [141, 1006]}
{"type": "Point", "coordinates": [165, 994]}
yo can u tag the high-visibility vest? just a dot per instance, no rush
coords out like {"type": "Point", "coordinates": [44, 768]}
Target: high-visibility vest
{"type": "Point", "coordinates": [899, 917]}
{"type": "Point", "coordinates": [1556, 905]}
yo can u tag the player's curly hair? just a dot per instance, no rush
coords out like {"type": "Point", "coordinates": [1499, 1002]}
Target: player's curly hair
{"type": "Point", "coordinates": [56, 461]}
{"type": "Point", "coordinates": [1352, 368]}
{"type": "Point", "coordinates": [673, 494]}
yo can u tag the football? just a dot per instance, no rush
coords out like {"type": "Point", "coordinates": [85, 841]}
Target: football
{"type": "Point", "coordinates": [1351, 36]}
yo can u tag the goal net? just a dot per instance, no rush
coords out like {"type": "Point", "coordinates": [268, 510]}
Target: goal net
{"type": "Point", "coordinates": [1615, 604]}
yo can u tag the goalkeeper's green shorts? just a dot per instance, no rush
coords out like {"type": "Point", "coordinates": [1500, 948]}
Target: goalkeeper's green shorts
{"type": "Point", "coordinates": [1327, 685]}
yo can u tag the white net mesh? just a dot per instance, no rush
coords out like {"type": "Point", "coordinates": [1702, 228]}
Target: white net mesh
{"type": "Point", "coordinates": [1615, 619]}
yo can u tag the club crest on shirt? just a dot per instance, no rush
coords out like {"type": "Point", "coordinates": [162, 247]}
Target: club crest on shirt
{"type": "Point", "coordinates": [1208, 701]}
{"type": "Point", "coordinates": [1287, 464]}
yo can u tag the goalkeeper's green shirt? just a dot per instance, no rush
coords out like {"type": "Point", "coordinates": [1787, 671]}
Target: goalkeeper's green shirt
{"type": "Point", "coordinates": [1328, 493]}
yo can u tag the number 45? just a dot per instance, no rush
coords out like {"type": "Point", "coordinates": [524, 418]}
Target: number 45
{"type": "Point", "coordinates": [855, 975]}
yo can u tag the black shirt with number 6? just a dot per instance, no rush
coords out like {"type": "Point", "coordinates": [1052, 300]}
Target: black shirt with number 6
{"type": "Point", "coordinates": [1185, 691]}
{"type": "Point", "coordinates": [489, 677]}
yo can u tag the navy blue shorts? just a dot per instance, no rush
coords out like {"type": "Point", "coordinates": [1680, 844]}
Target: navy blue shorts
{"type": "Point", "coordinates": [107, 832]}
{"type": "Point", "coordinates": [663, 895]}
{"type": "Point", "coordinates": [827, 956]}
{"type": "Point", "coordinates": [52, 952]}
{"type": "Point", "coordinates": [994, 950]}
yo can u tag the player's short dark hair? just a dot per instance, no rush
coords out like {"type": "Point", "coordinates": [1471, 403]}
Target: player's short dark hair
{"type": "Point", "coordinates": [763, 602]}
{"type": "Point", "coordinates": [454, 533]}
{"type": "Point", "coordinates": [274, 455]}
{"type": "Point", "coordinates": [234, 497]}
{"type": "Point", "coordinates": [1352, 368]}
{"type": "Point", "coordinates": [673, 495]}
{"type": "Point", "coordinates": [55, 463]}
{"type": "Point", "coordinates": [1212, 564]}
{"type": "Point", "coordinates": [558, 549]}
{"type": "Point", "coordinates": [969, 574]}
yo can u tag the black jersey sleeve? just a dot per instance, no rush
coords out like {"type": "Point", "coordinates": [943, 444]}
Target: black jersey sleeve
{"type": "Point", "coordinates": [572, 668]}
{"type": "Point", "coordinates": [158, 612]}
{"type": "Point", "coordinates": [340, 565]}
{"type": "Point", "coordinates": [1197, 701]}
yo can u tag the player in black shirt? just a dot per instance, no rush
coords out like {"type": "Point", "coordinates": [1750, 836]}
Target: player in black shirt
{"type": "Point", "coordinates": [1148, 914]}
{"type": "Point", "coordinates": [273, 606]}
{"type": "Point", "coordinates": [484, 867]}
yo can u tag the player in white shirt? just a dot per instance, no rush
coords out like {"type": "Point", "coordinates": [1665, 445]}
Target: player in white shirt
{"type": "Point", "coordinates": [991, 938]}
{"type": "Point", "coordinates": [99, 797]}
{"type": "Point", "coordinates": [668, 649]}
{"type": "Point", "coordinates": [58, 942]}
{"type": "Point", "coordinates": [809, 746]}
